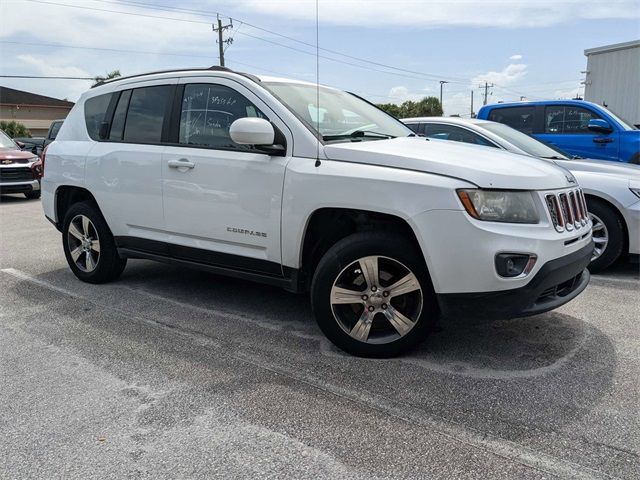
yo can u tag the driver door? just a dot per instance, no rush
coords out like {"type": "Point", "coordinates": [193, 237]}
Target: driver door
{"type": "Point", "coordinates": [222, 201]}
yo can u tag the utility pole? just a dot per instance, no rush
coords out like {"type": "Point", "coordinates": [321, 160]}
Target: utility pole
{"type": "Point", "coordinates": [472, 114]}
{"type": "Point", "coordinates": [442, 82]}
{"type": "Point", "coordinates": [486, 91]}
{"type": "Point", "coordinates": [221, 42]}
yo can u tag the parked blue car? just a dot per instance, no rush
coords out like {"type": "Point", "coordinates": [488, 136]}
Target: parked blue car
{"type": "Point", "coordinates": [580, 128]}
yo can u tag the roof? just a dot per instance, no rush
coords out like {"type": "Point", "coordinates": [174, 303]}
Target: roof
{"type": "Point", "coordinates": [531, 103]}
{"type": "Point", "coordinates": [452, 120]}
{"type": "Point", "coordinates": [612, 48]}
{"type": "Point", "coordinates": [10, 96]}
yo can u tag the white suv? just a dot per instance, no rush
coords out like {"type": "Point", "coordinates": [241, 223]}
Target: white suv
{"type": "Point", "coordinates": [312, 189]}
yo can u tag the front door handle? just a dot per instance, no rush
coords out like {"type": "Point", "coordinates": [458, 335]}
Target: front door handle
{"type": "Point", "coordinates": [603, 140]}
{"type": "Point", "coordinates": [181, 163]}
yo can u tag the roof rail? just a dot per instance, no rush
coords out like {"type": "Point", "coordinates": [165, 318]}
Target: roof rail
{"type": "Point", "coordinates": [203, 69]}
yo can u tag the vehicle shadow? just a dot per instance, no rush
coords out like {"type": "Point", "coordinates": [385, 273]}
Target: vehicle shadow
{"type": "Point", "coordinates": [14, 198]}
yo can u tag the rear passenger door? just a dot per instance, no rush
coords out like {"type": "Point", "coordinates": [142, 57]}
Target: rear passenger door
{"type": "Point", "coordinates": [222, 201]}
{"type": "Point", "coordinates": [124, 170]}
{"type": "Point", "coordinates": [566, 127]}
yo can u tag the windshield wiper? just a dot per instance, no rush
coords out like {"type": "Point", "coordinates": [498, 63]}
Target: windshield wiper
{"type": "Point", "coordinates": [358, 134]}
{"type": "Point", "coordinates": [555, 157]}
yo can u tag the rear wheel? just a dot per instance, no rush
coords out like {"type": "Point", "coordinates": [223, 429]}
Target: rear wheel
{"type": "Point", "coordinates": [89, 246]}
{"type": "Point", "coordinates": [372, 295]}
{"type": "Point", "coordinates": [608, 235]}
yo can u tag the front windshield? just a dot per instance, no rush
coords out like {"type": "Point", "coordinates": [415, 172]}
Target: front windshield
{"type": "Point", "coordinates": [623, 123]}
{"type": "Point", "coordinates": [524, 142]}
{"type": "Point", "coordinates": [337, 115]}
{"type": "Point", "coordinates": [5, 141]}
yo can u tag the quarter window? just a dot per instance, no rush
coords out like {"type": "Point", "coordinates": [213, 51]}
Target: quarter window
{"type": "Point", "coordinates": [208, 111]}
{"type": "Point", "coordinates": [95, 111]}
{"type": "Point", "coordinates": [567, 119]}
{"type": "Point", "coordinates": [520, 118]}
{"type": "Point", "coordinates": [146, 113]}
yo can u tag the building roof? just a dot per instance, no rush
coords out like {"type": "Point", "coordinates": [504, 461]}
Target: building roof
{"type": "Point", "coordinates": [611, 48]}
{"type": "Point", "coordinates": [10, 96]}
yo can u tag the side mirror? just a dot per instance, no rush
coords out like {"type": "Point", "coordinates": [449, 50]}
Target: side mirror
{"type": "Point", "coordinates": [259, 133]}
{"type": "Point", "coordinates": [20, 144]}
{"type": "Point", "coordinates": [599, 125]}
{"type": "Point", "coordinates": [252, 131]}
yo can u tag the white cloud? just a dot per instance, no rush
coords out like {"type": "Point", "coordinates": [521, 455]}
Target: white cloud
{"type": "Point", "coordinates": [494, 13]}
{"type": "Point", "coordinates": [507, 76]}
{"type": "Point", "coordinates": [401, 94]}
{"type": "Point", "coordinates": [517, 56]}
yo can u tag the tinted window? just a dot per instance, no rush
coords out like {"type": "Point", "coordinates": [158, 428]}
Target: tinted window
{"type": "Point", "coordinates": [567, 119]}
{"type": "Point", "coordinates": [117, 124]}
{"type": "Point", "coordinates": [146, 113]}
{"type": "Point", "coordinates": [207, 113]}
{"type": "Point", "coordinates": [95, 110]}
{"type": "Point", "coordinates": [520, 118]}
{"type": "Point", "coordinates": [413, 126]}
{"type": "Point", "coordinates": [455, 134]}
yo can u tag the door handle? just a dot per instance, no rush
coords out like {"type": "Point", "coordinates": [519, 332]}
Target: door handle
{"type": "Point", "coordinates": [602, 140]}
{"type": "Point", "coordinates": [181, 163]}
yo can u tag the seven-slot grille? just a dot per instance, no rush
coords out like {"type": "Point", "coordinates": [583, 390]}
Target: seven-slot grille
{"type": "Point", "coordinates": [568, 210]}
{"type": "Point", "coordinates": [16, 174]}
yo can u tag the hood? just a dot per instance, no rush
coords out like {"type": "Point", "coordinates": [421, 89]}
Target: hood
{"type": "Point", "coordinates": [9, 156]}
{"type": "Point", "coordinates": [606, 167]}
{"type": "Point", "coordinates": [482, 166]}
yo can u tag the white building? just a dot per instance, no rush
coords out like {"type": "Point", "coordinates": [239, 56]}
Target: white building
{"type": "Point", "coordinates": [613, 78]}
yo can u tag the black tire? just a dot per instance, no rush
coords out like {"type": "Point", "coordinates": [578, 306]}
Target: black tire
{"type": "Point", "coordinates": [635, 160]}
{"type": "Point", "coordinates": [345, 253]}
{"type": "Point", "coordinates": [109, 265]}
{"type": "Point", "coordinates": [615, 232]}
{"type": "Point", "coordinates": [33, 195]}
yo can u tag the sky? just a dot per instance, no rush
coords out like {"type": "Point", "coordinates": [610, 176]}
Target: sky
{"type": "Point", "coordinates": [385, 51]}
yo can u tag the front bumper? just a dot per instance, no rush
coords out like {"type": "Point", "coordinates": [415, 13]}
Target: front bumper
{"type": "Point", "coordinates": [556, 283]}
{"type": "Point", "coordinates": [19, 187]}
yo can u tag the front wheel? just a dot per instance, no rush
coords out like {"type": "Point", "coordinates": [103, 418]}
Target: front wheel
{"type": "Point", "coordinates": [372, 295]}
{"type": "Point", "coordinates": [89, 246]}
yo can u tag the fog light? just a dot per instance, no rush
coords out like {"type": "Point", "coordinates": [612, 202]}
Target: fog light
{"type": "Point", "coordinates": [511, 265]}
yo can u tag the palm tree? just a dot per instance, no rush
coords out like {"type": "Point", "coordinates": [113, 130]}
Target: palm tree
{"type": "Point", "coordinates": [100, 79]}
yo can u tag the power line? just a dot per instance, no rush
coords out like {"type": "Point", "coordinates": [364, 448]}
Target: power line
{"type": "Point", "coordinates": [47, 77]}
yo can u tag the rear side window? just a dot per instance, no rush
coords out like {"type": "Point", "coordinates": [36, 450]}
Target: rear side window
{"type": "Point", "coordinates": [208, 111]}
{"type": "Point", "coordinates": [520, 118]}
{"type": "Point", "coordinates": [146, 114]}
{"type": "Point", "coordinates": [567, 119]}
{"type": "Point", "coordinates": [95, 111]}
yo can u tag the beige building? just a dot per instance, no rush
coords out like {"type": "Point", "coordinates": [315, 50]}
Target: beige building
{"type": "Point", "coordinates": [35, 111]}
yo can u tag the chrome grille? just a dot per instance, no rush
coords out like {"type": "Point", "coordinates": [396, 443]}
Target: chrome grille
{"type": "Point", "coordinates": [567, 209]}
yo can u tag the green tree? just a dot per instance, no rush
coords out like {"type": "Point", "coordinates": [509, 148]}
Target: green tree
{"type": "Point", "coordinates": [109, 76]}
{"type": "Point", "coordinates": [427, 107]}
{"type": "Point", "coordinates": [14, 129]}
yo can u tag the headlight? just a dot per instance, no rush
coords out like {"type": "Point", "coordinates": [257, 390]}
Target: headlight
{"type": "Point", "coordinates": [500, 205]}
{"type": "Point", "coordinates": [636, 191]}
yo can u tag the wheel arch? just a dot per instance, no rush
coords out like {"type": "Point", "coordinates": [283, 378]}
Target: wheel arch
{"type": "Point", "coordinates": [328, 225]}
{"type": "Point", "coordinates": [607, 203]}
{"type": "Point", "coordinates": [66, 196]}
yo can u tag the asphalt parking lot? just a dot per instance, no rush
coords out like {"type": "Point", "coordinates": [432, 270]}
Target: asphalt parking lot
{"type": "Point", "coordinates": [172, 373]}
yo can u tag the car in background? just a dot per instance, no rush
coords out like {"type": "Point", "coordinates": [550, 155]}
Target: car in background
{"type": "Point", "coordinates": [20, 171]}
{"type": "Point", "coordinates": [577, 127]}
{"type": "Point", "coordinates": [37, 144]}
{"type": "Point", "coordinates": [612, 190]}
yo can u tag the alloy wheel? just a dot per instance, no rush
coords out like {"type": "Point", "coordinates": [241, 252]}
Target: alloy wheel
{"type": "Point", "coordinates": [376, 300]}
{"type": "Point", "coordinates": [600, 236]}
{"type": "Point", "coordinates": [84, 244]}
